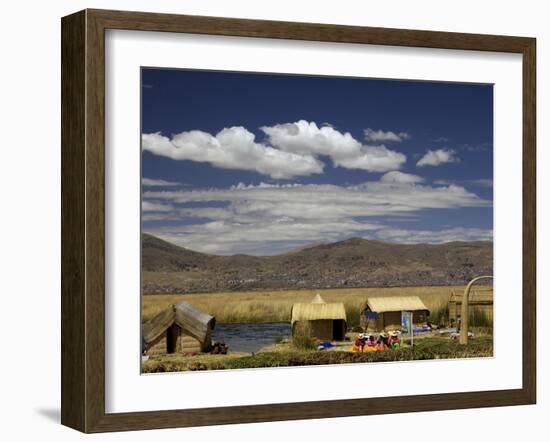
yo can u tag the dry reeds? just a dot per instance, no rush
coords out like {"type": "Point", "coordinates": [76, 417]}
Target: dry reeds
{"type": "Point", "coordinates": [302, 338]}
{"type": "Point", "coordinates": [275, 305]}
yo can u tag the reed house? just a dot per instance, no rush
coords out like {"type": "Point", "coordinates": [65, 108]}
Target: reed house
{"type": "Point", "coordinates": [180, 328]}
{"type": "Point", "coordinates": [326, 320]}
{"type": "Point", "coordinates": [384, 313]}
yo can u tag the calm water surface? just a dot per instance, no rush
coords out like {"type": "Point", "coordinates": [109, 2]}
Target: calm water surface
{"type": "Point", "coordinates": [250, 337]}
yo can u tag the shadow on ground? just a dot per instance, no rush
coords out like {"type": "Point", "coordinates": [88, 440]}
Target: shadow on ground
{"type": "Point", "coordinates": [51, 414]}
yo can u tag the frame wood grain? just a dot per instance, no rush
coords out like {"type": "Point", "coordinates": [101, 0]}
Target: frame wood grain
{"type": "Point", "coordinates": [83, 218]}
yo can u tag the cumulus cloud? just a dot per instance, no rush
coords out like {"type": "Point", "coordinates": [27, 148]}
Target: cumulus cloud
{"type": "Point", "coordinates": [438, 157]}
{"type": "Point", "coordinates": [149, 182]}
{"type": "Point", "coordinates": [267, 218]}
{"type": "Point", "coordinates": [232, 148]}
{"type": "Point", "coordinates": [291, 150]}
{"type": "Point", "coordinates": [374, 159]}
{"type": "Point", "coordinates": [380, 135]}
{"type": "Point", "coordinates": [306, 138]}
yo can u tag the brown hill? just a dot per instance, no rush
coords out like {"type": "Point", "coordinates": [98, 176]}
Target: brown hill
{"type": "Point", "coordinates": [161, 256]}
{"type": "Point", "coordinates": [355, 262]}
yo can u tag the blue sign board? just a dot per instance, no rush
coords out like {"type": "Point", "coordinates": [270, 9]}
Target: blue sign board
{"type": "Point", "coordinates": [407, 324]}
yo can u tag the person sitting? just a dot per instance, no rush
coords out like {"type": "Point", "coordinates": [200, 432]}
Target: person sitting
{"type": "Point", "coordinates": [382, 342]}
{"type": "Point", "coordinates": [359, 343]}
{"type": "Point", "coordinates": [370, 344]}
{"type": "Point", "coordinates": [394, 341]}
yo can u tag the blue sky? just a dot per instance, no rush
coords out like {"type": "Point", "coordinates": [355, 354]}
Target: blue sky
{"type": "Point", "coordinates": [261, 163]}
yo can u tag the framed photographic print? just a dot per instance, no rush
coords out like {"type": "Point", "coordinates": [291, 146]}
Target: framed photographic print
{"type": "Point", "coordinates": [268, 221]}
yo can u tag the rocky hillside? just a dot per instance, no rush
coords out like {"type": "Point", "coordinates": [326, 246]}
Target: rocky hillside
{"type": "Point", "coordinates": [355, 262]}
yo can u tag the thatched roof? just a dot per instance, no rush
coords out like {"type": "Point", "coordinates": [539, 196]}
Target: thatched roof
{"type": "Point", "coordinates": [383, 304]}
{"type": "Point", "coordinates": [318, 299]}
{"type": "Point", "coordinates": [317, 309]}
{"type": "Point", "coordinates": [183, 314]}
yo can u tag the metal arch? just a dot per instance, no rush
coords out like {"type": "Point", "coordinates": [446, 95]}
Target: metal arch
{"type": "Point", "coordinates": [464, 313]}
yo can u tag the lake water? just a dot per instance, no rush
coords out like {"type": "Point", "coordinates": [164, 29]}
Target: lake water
{"type": "Point", "coordinates": [250, 337]}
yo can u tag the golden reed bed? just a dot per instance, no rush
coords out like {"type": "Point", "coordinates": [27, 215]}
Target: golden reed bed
{"type": "Point", "coordinates": [275, 305]}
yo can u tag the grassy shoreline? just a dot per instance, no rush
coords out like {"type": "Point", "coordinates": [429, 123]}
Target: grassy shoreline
{"type": "Point", "coordinates": [426, 349]}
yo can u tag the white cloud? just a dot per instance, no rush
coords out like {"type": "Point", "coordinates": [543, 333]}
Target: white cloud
{"type": "Point", "coordinates": [374, 159]}
{"type": "Point", "coordinates": [481, 182]}
{"type": "Point", "coordinates": [151, 206]}
{"type": "Point", "coordinates": [380, 135]}
{"type": "Point", "coordinates": [437, 157]}
{"type": "Point", "coordinates": [291, 150]}
{"type": "Point", "coordinates": [232, 148]}
{"type": "Point", "coordinates": [159, 216]}
{"type": "Point", "coordinates": [410, 236]}
{"type": "Point", "coordinates": [223, 237]}
{"type": "Point", "coordinates": [269, 218]}
{"type": "Point", "coordinates": [306, 138]}
{"type": "Point", "coordinates": [149, 182]}
{"type": "Point", "coordinates": [401, 178]}
{"type": "Point", "coordinates": [445, 182]}
{"type": "Point", "coordinates": [312, 201]}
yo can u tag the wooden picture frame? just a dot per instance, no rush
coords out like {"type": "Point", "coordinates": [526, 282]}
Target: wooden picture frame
{"type": "Point", "coordinates": [83, 220]}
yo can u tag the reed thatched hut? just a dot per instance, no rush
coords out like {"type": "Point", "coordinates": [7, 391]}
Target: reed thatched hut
{"type": "Point", "coordinates": [180, 328]}
{"type": "Point", "coordinates": [327, 321]}
{"type": "Point", "coordinates": [481, 300]}
{"type": "Point", "coordinates": [384, 312]}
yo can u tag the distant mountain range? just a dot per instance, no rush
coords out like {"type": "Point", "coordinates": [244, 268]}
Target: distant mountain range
{"type": "Point", "coordinates": [355, 262]}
